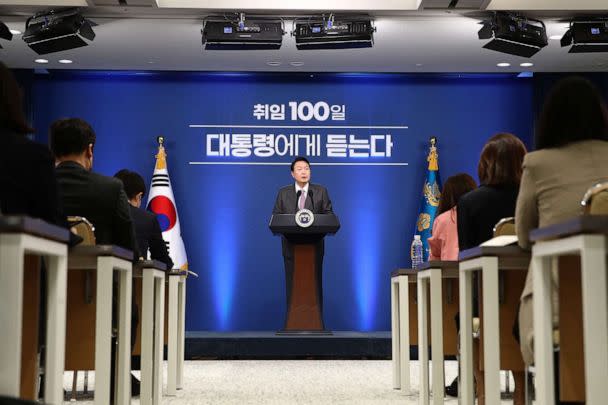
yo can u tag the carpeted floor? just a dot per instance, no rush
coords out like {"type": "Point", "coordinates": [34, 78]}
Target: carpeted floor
{"type": "Point", "coordinates": [288, 382]}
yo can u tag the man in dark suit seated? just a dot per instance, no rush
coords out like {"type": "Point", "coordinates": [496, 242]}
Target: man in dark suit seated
{"type": "Point", "coordinates": [291, 199]}
{"type": "Point", "coordinates": [98, 198]}
{"type": "Point", "coordinates": [147, 229]}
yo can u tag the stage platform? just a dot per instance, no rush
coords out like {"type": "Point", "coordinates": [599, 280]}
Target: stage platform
{"type": "Point", "coordinates": [268, 345]}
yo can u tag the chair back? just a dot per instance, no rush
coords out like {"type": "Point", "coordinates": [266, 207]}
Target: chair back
{"type": "Point", "coordinates": [505, 226]}
{"type": "Point", "coordinates": [595, 200]}
{"type": "Point", "coordinates": [83, 228]}
{"type": "Point", "coordinates": [80, 315]}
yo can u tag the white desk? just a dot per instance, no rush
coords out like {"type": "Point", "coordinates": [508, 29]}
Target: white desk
{"type": "Point", "coordinates": [20, 236]}
{"type": "Point", "coordinates": [586, 236]}
{"type": "Point", "coordinates": [400, 327]}
{"type": "Point", "coordinates": [105, 260]}
{"type": "Point", "coordinates": [152, 330]}
{"type": "Point", "coordinates": [430, 276]}
{"type": "Point", "coordinates": [177, 327]}
{"type": "Point", "coordinates": [488, 260]}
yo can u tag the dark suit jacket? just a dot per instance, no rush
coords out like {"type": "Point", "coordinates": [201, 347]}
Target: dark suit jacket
{"type": "Point", "coordinates": [27, 179]}
{"type": "Point", "coordinates": [317, 200]}
{"type": "Point", "coordinates": [149, 235]}
{"type": "Point", "coordinates": [479, 210]}
{"type": "Point", "coordinates": [101, 200]}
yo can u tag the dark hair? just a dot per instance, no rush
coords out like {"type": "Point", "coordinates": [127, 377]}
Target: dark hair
{"type": "Point", "coordinates": [573, 111]}
{"type": "Point", "coordinates": [454, 187]}
{"type": "Point", "coordinates": [501, 160]}
{"type": "Point", "coordinates": [133, 182]}
{"type": "Point", "coordinates": [70, 136]}
{"type": "Point", "coordinates": [11, 100]}
{"type": "Point", "coordinates": [299, 159]}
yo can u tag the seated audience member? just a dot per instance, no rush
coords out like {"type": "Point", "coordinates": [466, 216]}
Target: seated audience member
{"type": "Point", "coordinates": [499, 172]}
{"type": "Point", "coordinates": [571, 155]}
{"type": "Point", "coordinates": [100, 199]}
{"type": "Point", "coordinates": [444, 242]}
{"type": "Point", "coordinates": [147, 229]}
{"type": "Point", "coordinates": [27, 170]}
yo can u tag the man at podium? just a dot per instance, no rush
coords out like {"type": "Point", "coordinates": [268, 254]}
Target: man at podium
{"type": "Point", "coordinates": [291, 199]}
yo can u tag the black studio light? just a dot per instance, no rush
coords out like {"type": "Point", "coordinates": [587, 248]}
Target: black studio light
{"type": "Point", "coordinates": [587, 36]}
{"type": "Point", "coordinates": [55, 31]}
{"type": "Point", "coordinates": [5, 32]}
{"type": "Point", "coordinates": [240, 33]}
{"type": "Point", "coordinates": [514, 35]}
{"type": "Point", "coordinates": [334, 32]}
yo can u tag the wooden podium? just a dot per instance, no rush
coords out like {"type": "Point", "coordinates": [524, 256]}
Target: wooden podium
{"type": "Point", "coordinates": [304, 309]}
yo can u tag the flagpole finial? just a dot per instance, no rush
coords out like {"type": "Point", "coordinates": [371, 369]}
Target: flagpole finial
{"type": "Point", "coordinates": [433, 157]}
{"type": "Point", "coordinates": [161, 157]}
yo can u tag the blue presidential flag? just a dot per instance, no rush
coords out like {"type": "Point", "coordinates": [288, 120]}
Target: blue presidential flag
{"type": "Point", "coordinates": [431, 193]}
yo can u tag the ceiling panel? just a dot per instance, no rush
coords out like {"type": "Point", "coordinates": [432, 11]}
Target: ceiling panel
{"type": "Point", "coordinates": [446, 43]}
{"type": "Point", "coordinates": [330, 5]}
{"type": "Point", "coordinates": [566, 5]}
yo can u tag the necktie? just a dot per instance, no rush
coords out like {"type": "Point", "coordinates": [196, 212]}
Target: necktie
{"type": "Point", "coordinates": [302, 200]}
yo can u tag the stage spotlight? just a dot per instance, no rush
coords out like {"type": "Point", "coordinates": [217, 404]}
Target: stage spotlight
{"type": "Point", "coordinates": [334, 32]}
{"type": "Point", "coordinates": [514, 35]}
{"type": "Point", "coordinates": [240, 33]}
{"type": "Point", "coordinates": [55, 31]}
{"type": "Point", "coordinates": [587, 36]}
{"type": "Point", "coordinates": [5, 32]}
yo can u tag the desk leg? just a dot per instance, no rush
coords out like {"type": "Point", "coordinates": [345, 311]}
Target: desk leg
{"type": "Point", "coordinates": [595, 319]}
{"type": "Point", "coordinates": [147, 337]}
{"type": "Point", "coordinates": [181, 338]}
{"type": "Point", "coordinates": [103, 331]}
{"type": "Point", "coordinates": [404, 332]}
{"type": "Point", "coordinates": [465, 286]}
{"type": "Point", "coordinates": [395, 330]}
{"type": "Point", "coordinates": [55, 328]}
{"type": "Point", "coordinates": [437, 336]}
{"type": "Point", "coordinates": [123, 371]}
{"type": "Point", "coordinates": [11, 291]}
{"type": "Point", "coordinates": [423, 340]}
{"type": "Point", "coordinates": [159, 332]}
{"type": "Point", "coordinates": [172, 343]}
{"type": "Point", "coordinates": [543, 329]}
{"type": "Point", "coordinates": [491, 333]}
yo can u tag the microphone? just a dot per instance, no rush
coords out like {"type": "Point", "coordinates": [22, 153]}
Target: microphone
{"type": "Point", "coordinates": [298, 194]}
{"type": "Point", "coordinates": [311, 200]}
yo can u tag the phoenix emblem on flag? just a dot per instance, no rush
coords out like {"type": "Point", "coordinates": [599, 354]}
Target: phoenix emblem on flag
{"type": "Point", "coordinates": [424, 222]}
{"type": "Point", "coordinates": [432, 194]}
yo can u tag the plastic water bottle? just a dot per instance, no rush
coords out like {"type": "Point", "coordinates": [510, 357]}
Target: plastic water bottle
{"type": "Point", "coordinates": [416, 252]}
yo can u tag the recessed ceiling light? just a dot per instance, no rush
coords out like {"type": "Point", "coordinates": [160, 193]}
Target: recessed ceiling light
{"type": "Point", "coordinates": [503, 64]}
{"type": "Point", "coordinates": [274, 63]}
{"type": "Point", "coordinates": [526, 64]}
{"type": "Point", "coordinates": [418, 64]}
{"type": "Point", "coordinates": [556, 37]}
{"type": "Point", "coordinates": [15, 32]}
{"type": "Point", "coordinates": [65, 61]}
{"type": "Point", "coordinates": [41, 61]}
{"type": "Point", "coordinates": [296, 64]}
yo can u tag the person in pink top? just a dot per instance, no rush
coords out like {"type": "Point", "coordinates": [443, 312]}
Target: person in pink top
{"type": "Point", "coordinates": [444, 242]}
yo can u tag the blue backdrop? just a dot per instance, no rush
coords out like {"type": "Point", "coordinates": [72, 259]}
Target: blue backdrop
{"type": "Point", "coordinates": [224, 209]}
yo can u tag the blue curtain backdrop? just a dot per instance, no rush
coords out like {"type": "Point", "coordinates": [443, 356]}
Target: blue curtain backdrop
{"type": "Point", "coordinates": [224, 210]}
